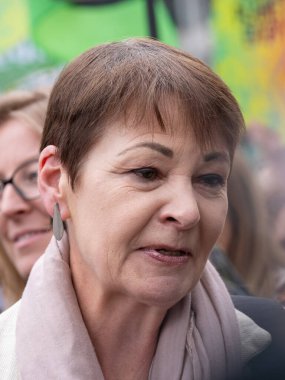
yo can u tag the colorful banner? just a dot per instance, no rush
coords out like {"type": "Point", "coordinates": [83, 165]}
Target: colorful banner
{"type": "Point", "coordinates": [39, 36]}
{"type": "Point", "coordinates": [249, 53]}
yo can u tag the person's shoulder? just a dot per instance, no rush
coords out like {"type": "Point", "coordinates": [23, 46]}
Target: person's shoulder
{"type": "Point", "coordinates": [254, 305]}
{"type": "Point", "coordinates": [8, 321]}
{"type": "Point", "coordinates": [270, 316]}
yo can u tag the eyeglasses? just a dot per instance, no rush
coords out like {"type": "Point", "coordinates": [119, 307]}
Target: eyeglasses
{"type": "Point", "coordinates": [24, 180]}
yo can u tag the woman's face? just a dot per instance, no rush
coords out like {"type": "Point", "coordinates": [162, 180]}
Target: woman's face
{"type": "Point", "coordinates": [145, 214]}
{"type": "Point", "coordinates": [24, 225]}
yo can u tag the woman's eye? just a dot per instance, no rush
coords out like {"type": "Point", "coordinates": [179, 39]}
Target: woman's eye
{"type": "Point", "coordinates": [212, 180]}
{"type": "Point", "coordinates": [149, 174]}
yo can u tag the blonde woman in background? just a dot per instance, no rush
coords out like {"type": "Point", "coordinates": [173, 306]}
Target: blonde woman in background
{"type": "Point", "coordinates": [24, 224]}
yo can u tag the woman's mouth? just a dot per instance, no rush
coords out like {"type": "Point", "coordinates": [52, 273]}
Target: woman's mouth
{"type": "Point", "coordinates": [27, 235]}
{"type": "Point", "coordinates": [167, 255]}
{"type": "Point", "coordinates": [168, 252]}
{"type": "Point", "coordinates": [25, 238]}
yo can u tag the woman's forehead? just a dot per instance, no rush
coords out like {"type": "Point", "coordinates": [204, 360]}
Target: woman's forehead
{"type": "Point", "coordinates": [173, 115]}
{"type": "Point", "coordinates": [174, 125]}
{"type": "Point", "coordinates": [177, 132]}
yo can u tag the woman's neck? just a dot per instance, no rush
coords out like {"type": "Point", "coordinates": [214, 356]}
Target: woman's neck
{"type": "Point", "coordinates": [124, 333]}
{"type": "Point", "coordinates": [124, 339]}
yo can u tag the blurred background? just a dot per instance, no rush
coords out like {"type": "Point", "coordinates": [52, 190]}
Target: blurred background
{"type": "Point", "coordinates": [242, 40]}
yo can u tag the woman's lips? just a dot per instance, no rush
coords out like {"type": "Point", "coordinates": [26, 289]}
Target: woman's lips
{"type": "Point", "coordinates": [167, 255]}
{"type": "Point", "coordinates": [26, 238]}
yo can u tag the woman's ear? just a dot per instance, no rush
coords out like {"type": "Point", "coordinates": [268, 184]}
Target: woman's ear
{"type": "Point", "coordinates": [51, 177]}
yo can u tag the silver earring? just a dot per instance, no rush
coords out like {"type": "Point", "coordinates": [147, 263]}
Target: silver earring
{"type": "Point", "coordinates": [57, 223]}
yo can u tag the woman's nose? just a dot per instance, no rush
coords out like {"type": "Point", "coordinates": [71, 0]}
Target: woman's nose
{"type": "Point", "coordinates": [181, 208]}
{"type": "Point", "coordinates": [11, 202]}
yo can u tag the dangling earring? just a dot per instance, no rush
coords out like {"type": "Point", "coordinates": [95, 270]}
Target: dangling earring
{"type": "Point", "coordinates": [57, 223]}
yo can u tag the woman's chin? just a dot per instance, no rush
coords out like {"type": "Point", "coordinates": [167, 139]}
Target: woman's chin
{"type": "Point", "coordinates": [160, 294]}
{"type": "Point", "coordinates": [25, 264]}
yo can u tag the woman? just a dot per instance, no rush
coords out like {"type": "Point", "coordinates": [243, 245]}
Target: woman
{"type": "Point", "coordinates": [136, 152]}
{"type": "Point", "coordinates": [24, 224]}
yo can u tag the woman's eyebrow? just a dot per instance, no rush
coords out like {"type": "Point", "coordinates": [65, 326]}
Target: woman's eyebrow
{"type": "Point", "coordinates": [217, 156]}
{"type": "Point", "coordinates": [151, 145]}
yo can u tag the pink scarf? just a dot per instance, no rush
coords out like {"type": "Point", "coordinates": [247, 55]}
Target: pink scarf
{"type": "Point", "coordinates": [199, 338]}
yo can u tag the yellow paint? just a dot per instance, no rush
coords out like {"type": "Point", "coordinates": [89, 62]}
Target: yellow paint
{"type": "Point", "coordinates": [253, 68]}
{"type": "Point", "coordinates": [14, 26]}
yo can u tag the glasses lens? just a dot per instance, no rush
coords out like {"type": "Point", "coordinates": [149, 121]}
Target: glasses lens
{"type": "Point", "coordinates": [26, 179]}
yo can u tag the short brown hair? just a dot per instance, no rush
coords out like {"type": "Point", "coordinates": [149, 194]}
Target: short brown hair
{"type": "Point", "coordinates": [136, 76]}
